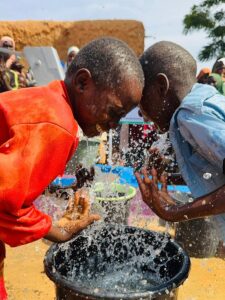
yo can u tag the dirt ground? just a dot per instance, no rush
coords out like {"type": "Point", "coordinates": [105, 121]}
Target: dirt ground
{"type": "Point", "coordinates": [26, 280]}
{"type": "Point", "coordinates": [24, 273]}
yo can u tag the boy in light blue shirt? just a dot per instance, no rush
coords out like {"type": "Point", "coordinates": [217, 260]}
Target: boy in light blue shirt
{"type": "Point", "coordinates": [197, 132]}
{"type": "Point", "coordinates": [194, 114]}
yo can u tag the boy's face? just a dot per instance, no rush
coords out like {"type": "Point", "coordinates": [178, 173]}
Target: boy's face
{"type": "Point", "coordinates": [152, 106]}
{"type": "Point", "coordinates": [99, 110]}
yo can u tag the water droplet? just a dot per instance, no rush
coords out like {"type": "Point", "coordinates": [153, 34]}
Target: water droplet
{"type": "Point", "coordinates": [190, 199]}
{"type": "Point", "coordinates": [207, 176]}
{"type": "Point", "coordinates": [144, 282]}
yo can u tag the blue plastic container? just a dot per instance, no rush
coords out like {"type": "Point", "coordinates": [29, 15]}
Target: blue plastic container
{"type": "Point", "coordinates": [63, 182]}
{"type": "Point", "coordinates": [126, 176]}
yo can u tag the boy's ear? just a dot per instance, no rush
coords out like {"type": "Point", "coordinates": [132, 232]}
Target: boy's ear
{"type": "Point", "coordinates": [162, 84]}
{"type": "Point", "coordinates": [81, 80]}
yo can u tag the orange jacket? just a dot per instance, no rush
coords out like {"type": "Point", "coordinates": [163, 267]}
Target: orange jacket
{"type": "Point", "coordinates": [38, 135]}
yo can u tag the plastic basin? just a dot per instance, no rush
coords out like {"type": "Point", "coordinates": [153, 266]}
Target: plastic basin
{"type": "Point", "coordinates": [112, 201]}
{"type": "Point", "coordinates": [117, 262]}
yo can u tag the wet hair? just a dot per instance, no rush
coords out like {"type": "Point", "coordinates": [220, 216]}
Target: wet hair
{"type": "Point", "coordinates": [172, 60]}
{"type": "Point", "coordinates": [109, 61]}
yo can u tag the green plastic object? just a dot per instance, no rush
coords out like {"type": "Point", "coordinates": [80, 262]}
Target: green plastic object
{"type": "Point", "coordinates": [101, 187]}
{"type": "Point", "coordinates": [113, 209]}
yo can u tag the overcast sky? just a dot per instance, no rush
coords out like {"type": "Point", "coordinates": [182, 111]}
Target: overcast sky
{"type": "Point", "coordinates": [162, 18]}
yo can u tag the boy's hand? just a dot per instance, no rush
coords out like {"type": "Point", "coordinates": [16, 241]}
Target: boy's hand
{"type": "Point", "coordinates": [157, 199]}
{"type": "Point", "coordinates": [77, 215]}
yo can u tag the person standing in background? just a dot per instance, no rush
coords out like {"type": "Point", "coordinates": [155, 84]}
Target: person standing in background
{"type": "Point", "coordinates": [203, 75]}
{"type": "Point", "coordinates": [219, 67]}
{"type": "Point", "coordinates": [71, 54]}
{"type": "Point", "coordinates": [8, 43]}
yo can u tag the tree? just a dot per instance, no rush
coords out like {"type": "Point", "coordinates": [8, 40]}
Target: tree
{"type": "Point", "coordinates": [210, 17]}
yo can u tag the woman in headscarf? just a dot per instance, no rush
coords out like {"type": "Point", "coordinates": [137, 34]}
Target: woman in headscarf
{"type": "Point", "coordinates": [219, 67]}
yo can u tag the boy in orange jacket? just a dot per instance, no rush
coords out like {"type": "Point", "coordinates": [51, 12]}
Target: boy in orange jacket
{"type": "Point", "coordinates": [38, 135]}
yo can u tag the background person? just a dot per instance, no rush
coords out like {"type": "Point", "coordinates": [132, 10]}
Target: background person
{"type": "Point", "coordinates": [215, 80]}
{"type": "Point", "coordinates": [71, 54]}
{"type": "Point", "coordinates": [8, 43]}
{"type": "Point", "coordinates": [12, 75]}
{"type": "Point", "coordinates": [219, 67]}
{"type": "Point", "coordinates": [203, 75]}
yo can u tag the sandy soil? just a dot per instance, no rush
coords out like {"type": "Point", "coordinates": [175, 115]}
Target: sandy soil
{"type": "Point", "coordinates": [25, 278]}
{"type": "Point", "coordinates": [24, 273]}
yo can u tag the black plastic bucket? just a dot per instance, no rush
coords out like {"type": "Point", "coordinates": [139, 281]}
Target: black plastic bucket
{"type": "Point", "coordinates": [117, 262]}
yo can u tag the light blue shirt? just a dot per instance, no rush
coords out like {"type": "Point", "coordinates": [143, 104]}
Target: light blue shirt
{"type": "Point", "coordinates": [197, 132]}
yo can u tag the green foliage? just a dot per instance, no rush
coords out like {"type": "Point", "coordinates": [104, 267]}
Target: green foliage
{"type": "Point", "coordinates": [210, 3]}
{"type": "Point", "coordinates": [210, 17]}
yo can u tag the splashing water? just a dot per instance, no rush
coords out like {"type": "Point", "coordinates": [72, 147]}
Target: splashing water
{"type": "Point", "coordinates": [86, 154]}
{"type": "Point", "coordinates": [117, 260]}
{"type": "Point", "coordinates": [51, 205]}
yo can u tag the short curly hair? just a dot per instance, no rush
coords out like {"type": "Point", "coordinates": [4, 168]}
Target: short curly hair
{"type": "Point", "coordinates": [109, 61]}
{"type": "Point", "coordinates": [168, 58]}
